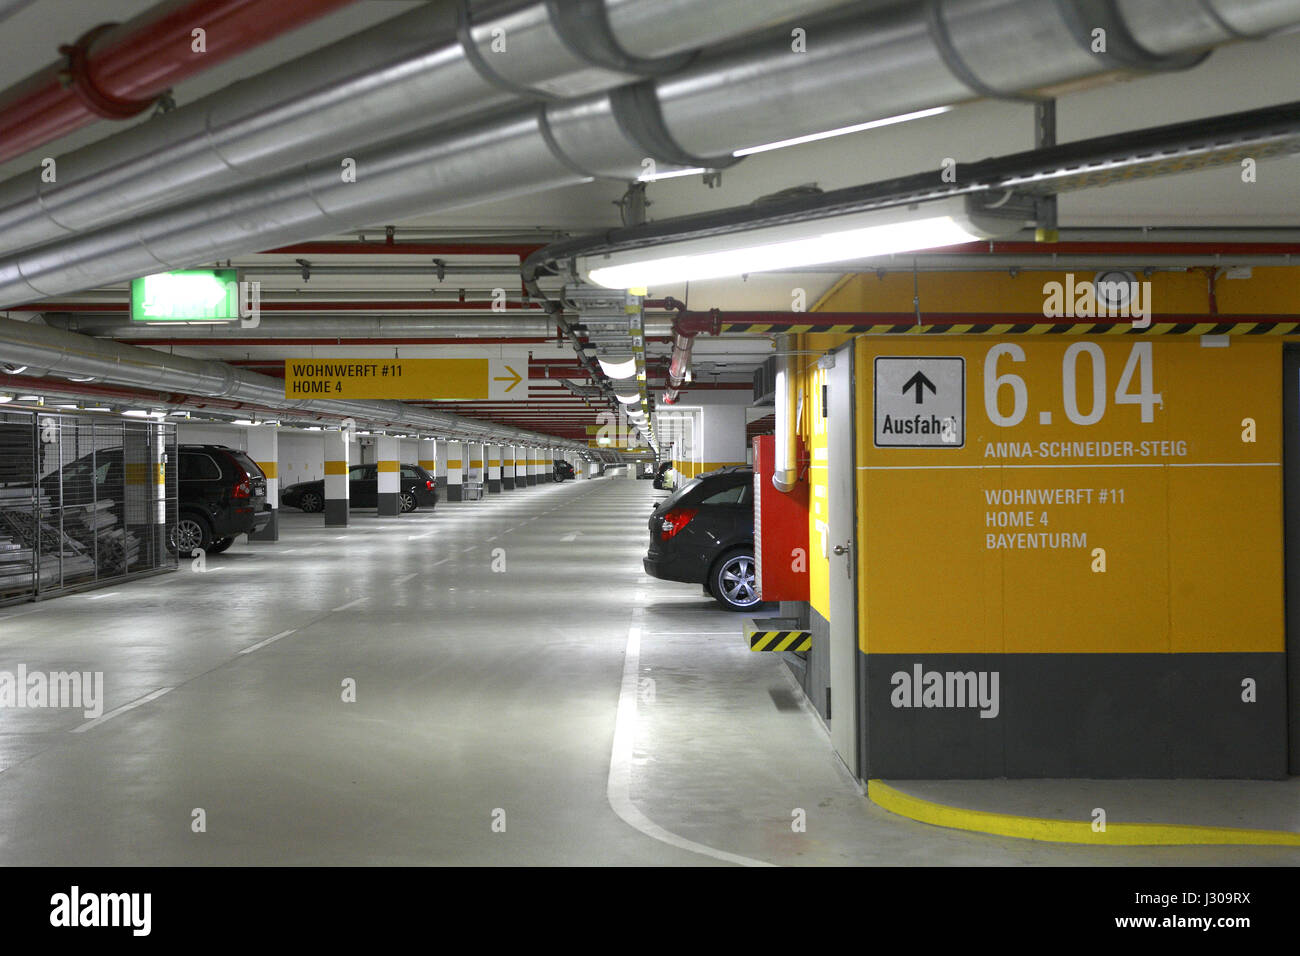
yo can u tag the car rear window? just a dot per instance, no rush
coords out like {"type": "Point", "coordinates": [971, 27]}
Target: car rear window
{"type": "Point", "coordinates": [680, 492]}
{"type": "Point", "coordinates": [196, 466]}
{"type": "Point", "coordinates": [728, 496]}
{"type": "Point", "coordinates": [246, 463]}
{"type": "Point", "coordinates": [410, 471]}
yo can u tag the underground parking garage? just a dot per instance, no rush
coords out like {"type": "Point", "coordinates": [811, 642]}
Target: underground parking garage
{"type": "Point", "coordinates": [817, 433]}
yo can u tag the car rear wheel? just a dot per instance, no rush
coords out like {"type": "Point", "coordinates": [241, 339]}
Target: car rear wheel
{"type": "Point", "coordinates": [191, 532]}
{"type": "Point", "coordinates": [221, 544]}
{"type": "Point", "coordinates": [734, 581]}
{"type": "Point", "coordinates": [311, 502]}
{"type": "Point", "coordinates": [406, 500]}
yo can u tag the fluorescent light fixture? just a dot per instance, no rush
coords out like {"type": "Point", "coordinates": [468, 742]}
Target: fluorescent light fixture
{"type": "Point", "coordinates": [628, 398]}
{"type": "Point", "coordinates": [861, 235]}
{"type": "Point", "coordinates": [670, 174]}
{"type": "Point", "coordinates": [6, 399]}
{"type": "Point", "coordinates": [140, 413]}
{"type": "Point", "coordinates": [843, 131]}
{"type": "Point", "coordinates": [617, 367]}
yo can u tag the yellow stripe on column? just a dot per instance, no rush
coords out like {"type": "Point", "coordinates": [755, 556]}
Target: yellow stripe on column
{"type": "Point", "coordinates": [453, 462]}
{"type": "Point", "coordinates": [269, 468]}
{"type": "Point", "coordinates": [336, 467]}
{"type": "Point", "coordinates": [427, 465]}
{"type": "Point", "coordinates": [389, 466]}
{"type": "Point", "coordinates": [475, 463]}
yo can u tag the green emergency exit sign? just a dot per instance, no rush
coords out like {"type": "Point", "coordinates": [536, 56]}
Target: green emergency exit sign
{"type": "Point", "coordinates": [190, 295]}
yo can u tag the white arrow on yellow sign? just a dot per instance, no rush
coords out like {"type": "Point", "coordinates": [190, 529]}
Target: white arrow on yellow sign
{"type": "Point", "coordinates": [428, 379]}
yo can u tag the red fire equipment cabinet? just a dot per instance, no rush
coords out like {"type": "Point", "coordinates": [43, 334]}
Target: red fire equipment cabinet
{"type": "Point", "coordinates": [780, 527]}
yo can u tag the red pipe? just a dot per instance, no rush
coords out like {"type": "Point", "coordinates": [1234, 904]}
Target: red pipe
{"type": "Point", "coordinates": [116, 71]}
{"type": "Point", "coordinates": [334, 305]}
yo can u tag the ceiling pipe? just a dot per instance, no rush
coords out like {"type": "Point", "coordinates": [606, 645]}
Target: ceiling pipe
{"type": "Point", "coordinates": [275, 327]}
{"type": "Point", "coordinates": [116, 71]}
{"type": "Point", "coordinates": [785, 467]}
{"type": "Point", "coordinates": [66, 354]}
{"type": "Point", "coordinates": [872, 64]}
{"type": "Point", "coordinates": [679, 363]}
{"type": "Point", "coordinates": [433, 65]}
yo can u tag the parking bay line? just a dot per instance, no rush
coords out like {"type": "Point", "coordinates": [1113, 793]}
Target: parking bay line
{"type": "Point", "coordinates": [120, 710]}
{"type": "Point", "coordinates": [618, 790]}
{"type": "Point", "coordinates": [407, 578]}
{"type": "Point", "coordinates": [260, 644]}
{"type": "Point", "coordinates": [344, 607]}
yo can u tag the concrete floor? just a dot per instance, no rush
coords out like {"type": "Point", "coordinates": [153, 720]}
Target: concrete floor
{"type": "Point", "coordinates": [490, 685]}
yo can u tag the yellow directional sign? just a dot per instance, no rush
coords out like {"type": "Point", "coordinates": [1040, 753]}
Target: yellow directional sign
{"type": "Point", "coordinates": [428, 379]}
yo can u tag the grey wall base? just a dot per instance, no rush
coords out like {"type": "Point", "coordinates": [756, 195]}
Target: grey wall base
{"type": "Point", "coordinates": [532, 479]}
{"type": "Point", "coordinates": [507, 483]}
{"type": "Point", "coordinates": [388, 505]}
{"type": "Point", "coordinates": [455, 492]}
{"type": "Point", "coordinates": [814, 670]}
{"type": "Point", "coordinates": [272, 530]}
{"type": "Point", "coordinates": [336, 512]}
{"type": "Point", "coordinates": [493, 486]}
{"type": "Point", "coordinates": [1083, 715]}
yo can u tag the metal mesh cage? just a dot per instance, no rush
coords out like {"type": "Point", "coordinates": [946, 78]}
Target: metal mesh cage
{"type": "Point", "coordinates": [83, 500]}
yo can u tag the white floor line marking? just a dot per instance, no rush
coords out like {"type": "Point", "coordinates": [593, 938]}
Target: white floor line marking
{"type": "Point", "coordinates": [261, 644]}
{"type": "Point", "coordinates": [436, 563]}
{"type": "Point", "coordinates": [290, 551]}
{"type": "Point", "coordinates": [120, 710]}
{"type": "Point", "coordinates": [619, 789]}
{"type": "Point", "coordinates": [420, 537]}
{"type": "Point", "coordinates": [494, 537]}
{"type": "Point", "coordinates": [407, 578]}
{"type": "Point", "coordinates": [339, 537]}
{"type": "Point", "coordinates": [344, 607]}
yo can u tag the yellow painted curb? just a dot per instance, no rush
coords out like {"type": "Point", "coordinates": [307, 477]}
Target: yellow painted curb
{"type": "Point", "coordinates": [1069, 831]}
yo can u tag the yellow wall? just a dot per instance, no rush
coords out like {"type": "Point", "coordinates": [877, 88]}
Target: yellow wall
{"type": "Point", "coordinates": [1193, 552]}
{"type": "Point", "coordinates": [1269, 291]}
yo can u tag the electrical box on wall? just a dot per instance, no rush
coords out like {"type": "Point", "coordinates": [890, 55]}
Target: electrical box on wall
{"type": "Point", "coordinates": [780, 527]}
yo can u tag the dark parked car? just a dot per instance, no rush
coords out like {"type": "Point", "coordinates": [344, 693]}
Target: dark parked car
{"type": "Point", "coordinates": [221, 493]}
{"type": "Point", "coordinates": [703, 533]}
{"type": "Point", "coordinates": [563, 470]}
{"type": "Point", "coordinates": [416, 489]}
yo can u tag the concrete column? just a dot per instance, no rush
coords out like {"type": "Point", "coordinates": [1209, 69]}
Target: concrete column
{"type": "Point", "coordinates": [388, 461]}
{"type": "Point", "coordinates": [722, 436]}
{"type": "Point", "coordinates": [144, 496]}
{"type": "Point", "coordinates": [264, 448]}
{"type": "Point", "coordinates": [476, 463]}
{"type": "Point", "coordinates": [455, 471]}
{"type": "Point", "coordinates": [428, 459]}
{"type": "Point", "coordinates": [507, 467]}
{"type": "Point", "coordinates": [493, 457]}
{"type": "Point", "coordinates": [336, 449]}
{"type": "Point", "coordinates": [534, 464]}
{"type": "Point", "coordinates": [521, 466]}
{"type": "Point", "coordinates": [440, 468]}
{"type": "Point", "coordinates": [547, 472]}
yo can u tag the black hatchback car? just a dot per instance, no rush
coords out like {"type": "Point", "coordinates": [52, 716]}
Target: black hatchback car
{"type": "Point", "coordinates": [416, 489]}
{"type": "Point", "coordinates": [563, 471]}
{"type": "Point", "coordinates": [703, 533]}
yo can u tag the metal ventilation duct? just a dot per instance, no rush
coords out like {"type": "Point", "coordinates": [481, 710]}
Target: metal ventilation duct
{"type": "Point", "coordinates": [863, 67]}
{"type": "Point", "coordinates": [66, 354]}
{"type": "Point", "coordinates": [437, 64]}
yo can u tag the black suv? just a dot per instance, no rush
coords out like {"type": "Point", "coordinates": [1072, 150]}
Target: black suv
{"type": "Point", "coordinates": [703, 533]}
{"type": "Point", "coordinates": [220, 493]}
{"type": "Point", "coordinates": [563, 470]}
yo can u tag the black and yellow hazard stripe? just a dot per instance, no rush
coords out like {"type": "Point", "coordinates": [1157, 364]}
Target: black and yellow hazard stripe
{"type": "Point", "coordinates": [780, 640]}
{"type": "Point", "coordinates": [1024, 328]}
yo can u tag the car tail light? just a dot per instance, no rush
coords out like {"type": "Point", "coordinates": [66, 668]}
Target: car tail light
{"type": "Point", "coordinates": [675, 521]}
{"type": "Point", "coordinates": [428, 484]}
{"type": "Point", "coordinates": [243, 489]}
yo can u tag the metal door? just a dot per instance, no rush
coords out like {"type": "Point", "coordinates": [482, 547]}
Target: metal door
{"type": "Point", "coordinates": [837, 406]}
